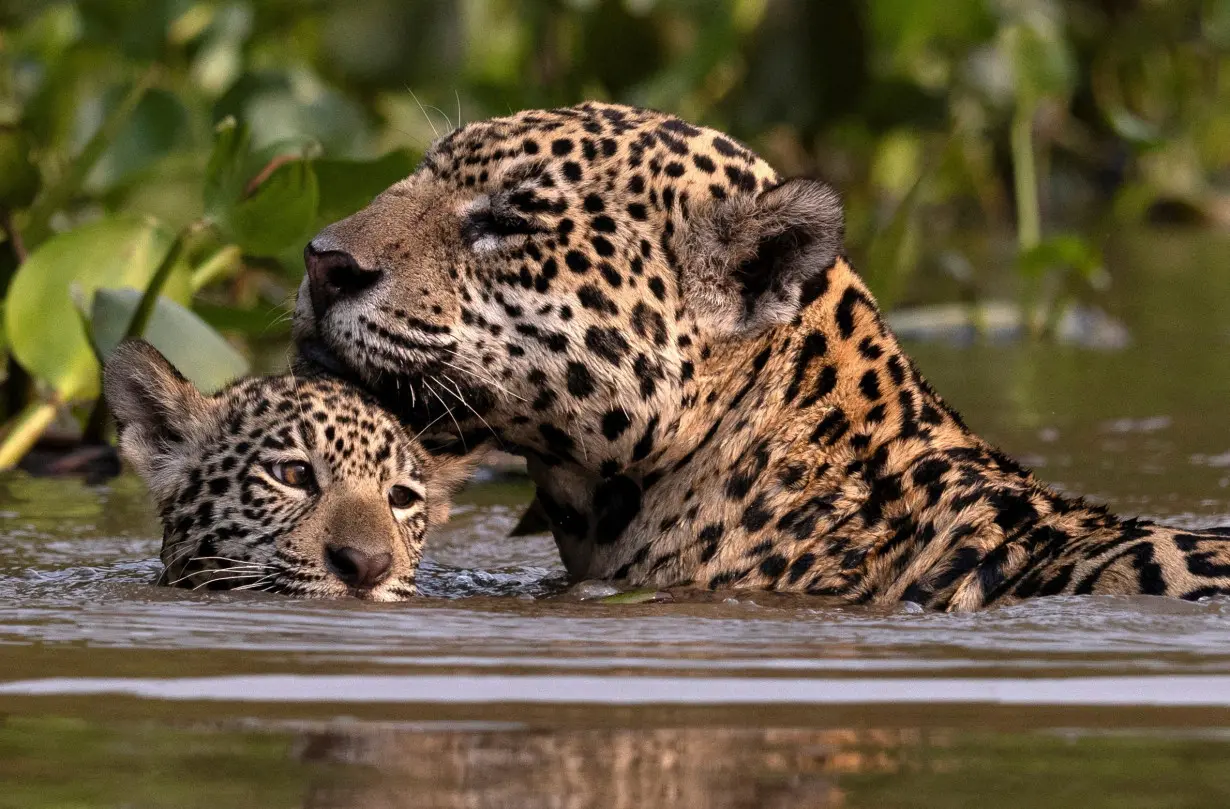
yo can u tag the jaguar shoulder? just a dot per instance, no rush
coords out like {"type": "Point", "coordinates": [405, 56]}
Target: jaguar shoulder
{"type": "Point", "coordinates": [703, 387]}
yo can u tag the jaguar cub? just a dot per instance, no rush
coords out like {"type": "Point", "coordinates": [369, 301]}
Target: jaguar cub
{"type": "Point", "coordinates": [284, 484]}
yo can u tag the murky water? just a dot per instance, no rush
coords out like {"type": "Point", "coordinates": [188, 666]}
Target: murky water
{"type": "Point", "coordinates": [498, 692]}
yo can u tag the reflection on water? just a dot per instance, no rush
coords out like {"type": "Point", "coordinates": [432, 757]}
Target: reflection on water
{"type": "Point", "coordinates": [348, 765]}
{"type": "Point", "coordinates": [501, 690]}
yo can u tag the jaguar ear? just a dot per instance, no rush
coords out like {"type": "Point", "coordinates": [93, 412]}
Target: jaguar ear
{"type": "Point", "coordinates": [153, 405]}
{"type": "Point", "coordinates": [744, 259]}
{"type": "Point", "coordinates": [446, 475]}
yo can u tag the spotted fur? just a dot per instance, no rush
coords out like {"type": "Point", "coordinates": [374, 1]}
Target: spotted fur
{"type": "Point", "coordinates": [703, 387]}
{"type": "Point", "coordinates": [230, 522]}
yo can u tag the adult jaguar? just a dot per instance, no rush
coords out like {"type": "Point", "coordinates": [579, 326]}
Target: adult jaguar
{"type": "Point", "coordinates": [280, 484]}
{"type": "Point", "coordinates": [704, 389]}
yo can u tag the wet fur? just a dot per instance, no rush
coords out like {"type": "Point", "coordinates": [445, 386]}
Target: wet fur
{"type": "Point", "coordinates": [703, 387]}
{"type": "Point", "coordinates": [229, 524]}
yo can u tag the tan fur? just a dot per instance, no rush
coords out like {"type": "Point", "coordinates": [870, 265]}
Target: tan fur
{"type": "Point", "coordinates": [703, 387]}
{"type": "Point", "coordinates": [230, 524]}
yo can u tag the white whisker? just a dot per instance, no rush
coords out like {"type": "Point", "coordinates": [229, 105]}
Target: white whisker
{"type": "Point", "coordinates": [457, 392]}
{"type": "Point", "coordinates": [427, 117]}
{"type": "Point", "coordinates": [448, 410]}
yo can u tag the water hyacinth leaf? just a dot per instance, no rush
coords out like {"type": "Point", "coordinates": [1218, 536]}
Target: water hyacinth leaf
{"type": "Point", "coordinates": [41, 321]}
{"type": "Point", "coordinates": [198, 351]}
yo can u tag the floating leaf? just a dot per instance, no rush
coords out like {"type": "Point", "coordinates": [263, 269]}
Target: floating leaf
{"type": "Point", "coordinates": [188, 342]}
{"type": "Point", "coordinates": [41, 322]}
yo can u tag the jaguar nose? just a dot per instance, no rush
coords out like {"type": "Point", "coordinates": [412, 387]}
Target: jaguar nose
{"type": "Point", "coordinates": [334, 275]}
{"type": "Point", "coordinates": [356, 568]}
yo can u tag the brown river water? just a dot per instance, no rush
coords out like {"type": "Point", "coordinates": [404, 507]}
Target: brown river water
{"type": "Point", "coordinates": [497, 691]}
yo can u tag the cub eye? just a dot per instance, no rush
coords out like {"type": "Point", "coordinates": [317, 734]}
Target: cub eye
{"type": "Point", "coordinates": [295, 474]}
{"type": "Point", "coordinates": [402, 496]}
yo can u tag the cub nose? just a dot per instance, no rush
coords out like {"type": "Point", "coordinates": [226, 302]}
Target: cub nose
{"type": "Point", "coordinates": [334, 275]}
{"type": "Point", "coordinates": [356, 568]}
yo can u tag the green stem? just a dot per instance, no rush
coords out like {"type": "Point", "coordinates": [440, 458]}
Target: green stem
{"type": "Point", "coordinates": [1028, 215]}
{"type": "Point", "coordinates": [145, 309]}
{"type": "Point", "coordinates": [97, 421]}
{"type": "Point", "coordinates": [1025, 174]}
{"type": "Point", "coordinates": [56, 197]}
{"type": "Point", "coordinates": [220, 265]}
{"type": "Point", "coordinates": [16, 388]}
{"type": "Point", "coordinates": [24, 431]}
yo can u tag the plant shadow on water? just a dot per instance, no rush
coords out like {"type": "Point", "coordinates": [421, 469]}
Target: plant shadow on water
{"type": "Point", "coordinates": [499, 691]}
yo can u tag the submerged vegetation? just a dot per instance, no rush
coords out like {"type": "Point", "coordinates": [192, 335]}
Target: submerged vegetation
{"type": "Point", "coordinates": [162, 163]}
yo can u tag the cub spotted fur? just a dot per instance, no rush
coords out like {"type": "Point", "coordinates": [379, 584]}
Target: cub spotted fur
{"type": "Point", "coordinates": [300, 486]}
{"type": "Point", "coordinates": [703, 387]}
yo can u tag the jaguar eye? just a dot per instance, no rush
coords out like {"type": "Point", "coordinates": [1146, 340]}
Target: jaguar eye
{"type": "Point", "coordinates": [402, 496]}
{"type": "Point", "coordinates": [500, 223]}
{"type": "Point", "coordinates": [295, 474]}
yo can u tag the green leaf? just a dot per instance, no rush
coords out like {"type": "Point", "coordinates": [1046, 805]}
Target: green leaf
{"type": "Point", "coordinates": [159, 124]}
{"type": "Point", "coordinates": [188, 342]}
{"type": "Point", "coordinates": [57, 195]}
{"type": "Point", "coordinates": [1063, 251]}
{"type": "Point", "coordinates": [348, 185]}
{"type": "Point", "coordinates": [224, 175]}
{"type": "Point", "coordinates": [41, 322]}
{"type": "Point", "coordinates": [263, 200]}
{"type": "Point", "coordinates": [281, 213]}
{"type": "Point", "coordinates": [1042, 63]}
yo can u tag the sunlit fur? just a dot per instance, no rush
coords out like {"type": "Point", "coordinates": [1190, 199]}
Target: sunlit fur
{"type": "Point", "coordinates": [230, 524]}
{"type": "Point", "coordinates": [703, 387]}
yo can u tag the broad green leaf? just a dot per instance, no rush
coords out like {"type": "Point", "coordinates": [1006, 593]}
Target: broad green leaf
{"type": "Point", "coordinates": [41, 322]}
{"type": "Point", "coordinates": [348, 185]}
{"type": "Point", "coordinates": [188, 342]}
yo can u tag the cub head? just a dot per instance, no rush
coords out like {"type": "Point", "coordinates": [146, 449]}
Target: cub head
{"type": "Point", "coordinates": [560, 275]}
{"type": "Point", "coordinates": [300, 486]}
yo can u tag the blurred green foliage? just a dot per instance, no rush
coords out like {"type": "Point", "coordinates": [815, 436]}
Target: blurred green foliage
{"type": "Point", "coordinates": [188, 149]}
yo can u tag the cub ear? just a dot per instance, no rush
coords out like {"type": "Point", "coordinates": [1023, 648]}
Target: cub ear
{"type": "Point", "coordinates": [446, 474]}
{"type": "Point", "coordinates": [745, 258]}
{"type": "Point", "coordinates": [153, 406]}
